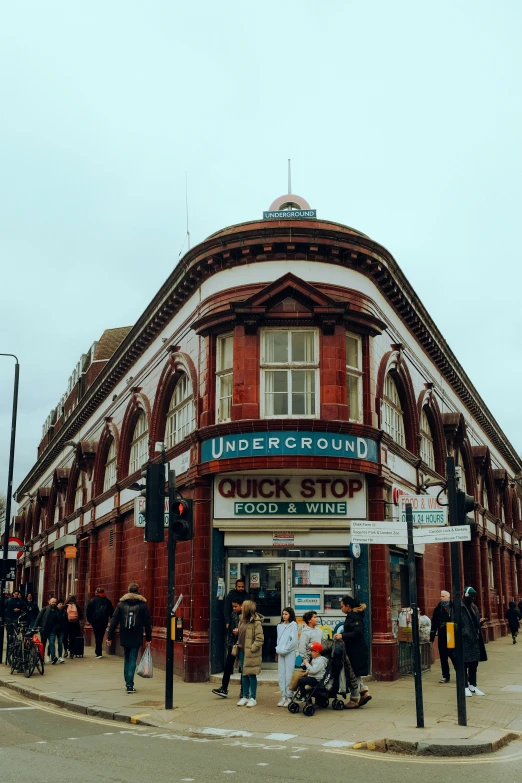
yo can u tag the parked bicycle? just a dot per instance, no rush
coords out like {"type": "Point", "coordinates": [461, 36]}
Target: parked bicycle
{"type": "Point", "coordinates": [26, 653]}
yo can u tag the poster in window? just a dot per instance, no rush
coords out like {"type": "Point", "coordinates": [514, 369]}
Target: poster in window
{"type": "Point", "coordinates": [319, 574]}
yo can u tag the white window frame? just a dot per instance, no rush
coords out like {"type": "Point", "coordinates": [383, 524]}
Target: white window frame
{"type": "Point", "coordinates": [355, 372]}
{"type": "Point", "coordinates": [485, 500]}
{"type": "Point", "coordinates": [394, 413]}
{"type": "Point", "coordinates": [181, 415]}
{"type": "Point", "coordinates": [109, 474]}
{"type": "Point", "coordinates": [289, 366]}
{"type": "Point", "coordinates": [427, 449]}
{"type": "Point", "coordinates": [78, 492]}
{"type": "Point", "coordinates": [491, 569]}
{"type": "Point", "coordinates": [221, 374]}
{"type": "Point", "coordinates": [139, 445]}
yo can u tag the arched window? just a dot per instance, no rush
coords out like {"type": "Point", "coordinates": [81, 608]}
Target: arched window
{"type": "Point", "coordinates": [78, 492]}
{"type": "Point", "coordinates": [180, 415]}
{"type": "Point", "coordinates": [57, 508]}
{"type": "Point", "coordinates": [427, 451]}
{"type": "Point", "coordinates": [109, 477]}
{"type": "Point", "coordinates": [392, 416]}
{"type": "Point", "coordinates": [140, 443]}
{"type": "Point", "coordinates": [485, 502]}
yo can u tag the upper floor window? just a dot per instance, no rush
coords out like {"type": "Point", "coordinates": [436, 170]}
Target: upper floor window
{"type": "Point", "coordinates": [289, 372]}
{"type": "Point", "coordinates": [485, 502]}
{"type": "Point", "coordinates": [180, 415]}
{"type": "Point", "coordinates": [140, 443]}
{"type": "Point", "coordinates": [392, 416]}
{"type": "Point", "coordinates": [354, 377]}
{"type": "Point", "coordinates": [427, 451]}
{"type": "Point", "coordinates": [57, 509]}
{"type": "Point", "coordinates": [491, 570]}
{"type": "Point", "coordinates": [224, 365]}
{"type": "Point", "coordinates": [109, 477]}
{"type": "Point", "coordinates": [78, 492]}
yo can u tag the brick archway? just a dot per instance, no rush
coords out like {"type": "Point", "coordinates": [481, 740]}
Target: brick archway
{"type": "Point", "coordinates": [137, 404]}
{"type": "Point", "coordinates": [394, 363]}
{"type": "Point", "coordinates": [178, 364]}
{"type": "Point", "coordinates": [109, 434]}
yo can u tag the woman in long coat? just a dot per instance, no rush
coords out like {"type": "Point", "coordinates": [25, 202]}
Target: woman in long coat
{"type": "Point", "coordinates": [250, 640]}
{"type": "Point", "coordinates": [473, 647]}
{"type": "Point", "coordinates": [355, 643]}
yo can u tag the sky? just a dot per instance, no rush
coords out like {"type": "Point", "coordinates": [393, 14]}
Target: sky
{"type": "Point", "coordinates": [402, 120]}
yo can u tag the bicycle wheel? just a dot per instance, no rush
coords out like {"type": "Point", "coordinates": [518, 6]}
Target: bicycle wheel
{"type": "Point", "coordinates": [30, 660]}
{"type": "Point", "coordinates": [16, 661]}
{"type": "Point", "coordinates": [39, 662]}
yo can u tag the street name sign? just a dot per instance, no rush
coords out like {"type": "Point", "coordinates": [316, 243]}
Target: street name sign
{"type": "Point", "coordinates": [425, 509]}
{"type": "Point", "coordinates": [363, 532]}
{"type": "Point", "coordinates": [438, 535]}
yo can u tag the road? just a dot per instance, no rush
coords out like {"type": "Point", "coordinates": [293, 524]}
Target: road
{"type": "Point", "coordinates": [50, 745]}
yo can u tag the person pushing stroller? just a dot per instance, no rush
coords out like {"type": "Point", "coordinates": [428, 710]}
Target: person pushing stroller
{"type": "Point", "coordinates": [315, 671]}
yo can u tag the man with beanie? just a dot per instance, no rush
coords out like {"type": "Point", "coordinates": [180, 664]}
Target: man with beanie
{"type": "Point", "coordinates": [99, 612]}
{"type": "Point", "coordinates": [473, 647]}
{"type": "Point", "coordinates": [133, 617]}
{"type": "Point", "coordinates": [443, 614]}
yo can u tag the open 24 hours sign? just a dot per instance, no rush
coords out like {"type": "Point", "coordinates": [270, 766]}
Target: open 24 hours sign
{"type": "Point", "coordinates": [242, 495]}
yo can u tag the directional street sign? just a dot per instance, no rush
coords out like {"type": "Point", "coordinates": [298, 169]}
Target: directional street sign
{"type": "Point", "coordinates": [426, 510]}
{"type": "Point", "coordinates": [363, 532]}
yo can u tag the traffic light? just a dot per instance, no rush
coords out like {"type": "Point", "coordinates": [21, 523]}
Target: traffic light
{"type": "Point", "coordinates": [181, 520]}
{"type": "Point", "coordinates": [465, 503]}
{"type": "Point", "coordinates": [154, 494]}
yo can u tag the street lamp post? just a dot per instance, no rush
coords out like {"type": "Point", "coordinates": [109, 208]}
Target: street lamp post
{"type": "Point", "coordinates": [9, 495]}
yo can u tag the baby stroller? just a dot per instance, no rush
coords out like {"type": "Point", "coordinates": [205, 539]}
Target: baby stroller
{"type": "Point", "coordinates": [331, 688]}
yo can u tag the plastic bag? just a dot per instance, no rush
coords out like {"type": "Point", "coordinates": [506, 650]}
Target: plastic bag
{"type": "Point", "coordinates": [145, 668]}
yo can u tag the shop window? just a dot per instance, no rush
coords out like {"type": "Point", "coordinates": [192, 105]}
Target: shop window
{"type": "Point", "coordinates": [109, 477]}
{"type": "Point", "coordinates": [289, 372]}
{"type": "Point", "coordinates": [392, 416]}
{"type": "Point", "coordinates": [78, 492]}
{"type": "Point", "coordinates": [427, 451]}
{"type": "Point", "coordinates": [140, 444]}
{"type": "Point", "coordinates": [224, 361]}
{"type": "Point", "coordinates": [491, 571]}
{"type": "Point", "coordinates": [354, 377]}
{"type": "Point", "coordinates": [180, 415]}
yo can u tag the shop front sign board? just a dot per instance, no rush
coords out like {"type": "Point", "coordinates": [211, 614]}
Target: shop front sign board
{"type": "Point", "coordinates": [289, 443]}
{"type": "Point", "coordinates": [426, 510]}
{"type": "Point", "coordinates": [237, 496]}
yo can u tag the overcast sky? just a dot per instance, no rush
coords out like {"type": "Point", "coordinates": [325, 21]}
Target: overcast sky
{"type": "Point", "coordinates": [402, 120]}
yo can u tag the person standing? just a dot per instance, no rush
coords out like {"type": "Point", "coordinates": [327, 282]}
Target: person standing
{"type": "Point", "coordinates": [250, 640]}
{"type": "Point", "coordinates": [74, 615]}
{"type": "Point", "coordinates": [285, 649]}
{"type": "Point", "coordinates": [513, 617]}
{"type": "Point", "coordinates": [61, 631]}
{"type": "Point", "coordinates": [99, 611]}
{"type": "Point", "coordinates": [15, 607]}
{"type": "Point", "coordinates": [355, 643]}
{"type": "Point", "coordinates": [237, 595]}
{"type": "Point", "coordinates": [32, 609]}
{"type": "Point", "coordinates": [443, 614]}
{"type": "Point", "coordinates": [47, 621]}
{"type": "Point", "coordinates": [473, 647]}
{"type": "Point", "coordinates": [232, 653]}
{"type": "Point", "coordinates": [520, 607]}
{"type": "Point", "coordinates": [133, 617]}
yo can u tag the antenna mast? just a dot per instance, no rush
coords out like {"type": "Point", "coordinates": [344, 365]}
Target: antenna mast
{"type": "Point", "coordinates": [186, 208]}
{"type": "Point", "coordinates": [289, 176]}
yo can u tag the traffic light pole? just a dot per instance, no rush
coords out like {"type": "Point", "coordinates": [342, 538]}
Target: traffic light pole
{"type": "Point", "coordinates": [456, 594]}
{"type": "Point", "coordinates": [171, 568]}
{"type": "Point", "coordinates": [417, 672]}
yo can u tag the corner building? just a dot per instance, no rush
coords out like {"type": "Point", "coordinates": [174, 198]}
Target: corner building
{"type": "Point", "coordinates": [298, 384]}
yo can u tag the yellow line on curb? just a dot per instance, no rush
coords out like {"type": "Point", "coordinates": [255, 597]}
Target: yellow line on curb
{"type": "Point", "coordinates": [134, 718]}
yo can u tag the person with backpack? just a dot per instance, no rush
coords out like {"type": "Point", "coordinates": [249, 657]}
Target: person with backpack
{"type": "Point", "coordinates": [99, 612]}
{"type": "Point", "coordinates": [47, 620]}
{"type": "Point", "coordinates": [133, 617]}
{"type": "Point", "coordinates": [74, 631]}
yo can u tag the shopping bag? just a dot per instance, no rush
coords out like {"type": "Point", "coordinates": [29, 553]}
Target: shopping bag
{"type": "Point", "coordinates": [145, 668]}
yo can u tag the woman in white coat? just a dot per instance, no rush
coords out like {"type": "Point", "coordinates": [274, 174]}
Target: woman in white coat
{"type": "Point", "coordinates": [285, 649]}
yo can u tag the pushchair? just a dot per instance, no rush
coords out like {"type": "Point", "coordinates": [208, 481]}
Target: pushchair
{"type": "Point", "coordinates": [332, 688]}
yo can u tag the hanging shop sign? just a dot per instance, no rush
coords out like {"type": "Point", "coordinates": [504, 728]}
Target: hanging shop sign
{"type": "Point", "coordinates": [242, 495]}
{"type": "Point", "coordinates": [297, 444]}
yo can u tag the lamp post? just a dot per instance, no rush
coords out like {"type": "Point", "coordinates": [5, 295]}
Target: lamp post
{"type": "Point", "coordinates": [9, 495]}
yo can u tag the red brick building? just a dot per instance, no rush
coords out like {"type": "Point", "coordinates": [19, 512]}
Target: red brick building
{"type": "Point", "coordinates": [298, 384]}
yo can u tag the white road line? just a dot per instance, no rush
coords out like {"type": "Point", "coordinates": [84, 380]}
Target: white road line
{"type": "Point", "coordinates": [263, 764]}
{"type": "Point", "coordinates": [108, 733]}
{"type": "Point", "coordinates": [42, 742]}
{"type": "Point", "coordinates": [295, 757]}
{"type": "Point", "coordinates": [223, 732]}
{"type": "Point", "coordinates": [187, 779]}
{"type": "Point", "coordinates": [280, 737]}
{"type": "Point", "coordinates": [10, 709]}
{"type": "Point", "coordinates": [73, 738]}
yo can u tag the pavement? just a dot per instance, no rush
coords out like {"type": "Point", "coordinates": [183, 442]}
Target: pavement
{"type": "Point", "coordinates": [387, 723]}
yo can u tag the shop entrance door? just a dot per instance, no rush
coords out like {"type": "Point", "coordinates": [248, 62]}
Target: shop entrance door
{"type": "Point", "coordinates": [266, 583]}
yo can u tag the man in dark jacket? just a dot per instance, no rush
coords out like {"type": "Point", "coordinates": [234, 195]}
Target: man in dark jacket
{"type": "Point", "coordinates": [47, 621]}
{"type": "Point", "coordinates": [232, 634]}
{"type": "Point", "coordinates": [237, 595]}
{"type": "Point", "coordinates": [132, 615]}
{"type": "Point", "coordinates": [355, 643]}
{"type": "Point", "coordinates": [15, 607]}
{"type": "Point", "coordinates": [443, 614]}
{"type": "Point", "coordinates": [513, 617]}
{"type": "Point", "coordinates": [99, 612]}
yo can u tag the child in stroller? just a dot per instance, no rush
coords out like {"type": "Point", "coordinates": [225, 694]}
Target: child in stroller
{"type": "Point", "coordinates": [327, 677]}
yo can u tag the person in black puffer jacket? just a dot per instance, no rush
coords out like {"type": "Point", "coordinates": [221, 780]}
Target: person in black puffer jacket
{"type": "Point", "coordinates": [133, 617]}
{"type": "Point", "coordinates": [355, 643]}
{"type": "Point", "coordinates": [99, 612]}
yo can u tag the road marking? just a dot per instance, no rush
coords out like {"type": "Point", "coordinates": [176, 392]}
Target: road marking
{"type": "Point", "coordinates": [134, 718]}
{"type": "Point", "coordinates": [187, 779]}
{"type": "Point", "coordinates": [295, 757]}
{"type": "Point", "coordinates": [263, 764]}
{"type": "Point", "coordinates": [42, 742]}
{"type": "Point", "coordinates": [338, 744]}
{"type": "Point", "coordinates": [108, 733]}
{"type": "Point", "coordinates": [280, 737]}
{"type": "Point", "coordinates": [222, 732]}
{"type": "Point", "coordinates": [10, 709]}
{"type": "Point", "coordinates": [229, 771]}
{"type": "Point", "coordinates": [73, 738]}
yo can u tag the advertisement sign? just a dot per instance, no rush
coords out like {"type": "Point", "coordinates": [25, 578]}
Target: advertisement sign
{"type": "Point", "coordinates": [304, 602]}
{"type": "Point", "coordinates": [425, 509]}
{"type": "Point", "coordinates": [243, 495]}
{"type": "Point", "coordinates": [297, 444]}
